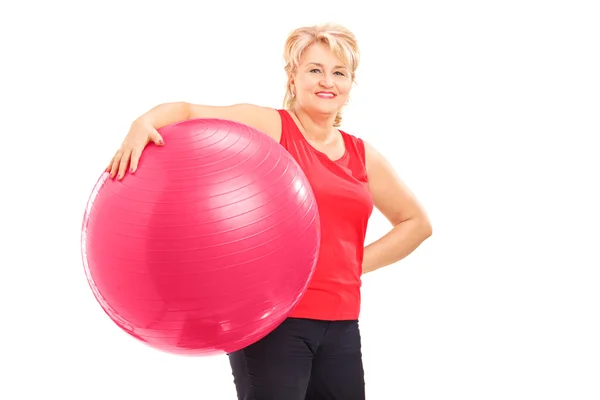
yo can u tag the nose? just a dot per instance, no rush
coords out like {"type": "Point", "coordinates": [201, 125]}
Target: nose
{"type": "Point", "coordinates": [327, 82]}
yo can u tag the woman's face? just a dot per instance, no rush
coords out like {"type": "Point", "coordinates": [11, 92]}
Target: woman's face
{"type": "Point", "coordinates": [322, 82]}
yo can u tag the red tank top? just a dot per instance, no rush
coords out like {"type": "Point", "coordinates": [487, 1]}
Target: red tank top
{"type": "Point", "coordinates": [345, 205]}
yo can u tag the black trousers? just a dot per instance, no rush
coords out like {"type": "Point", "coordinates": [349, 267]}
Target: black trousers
{"type": "Point", "coordinates": [302, 359]}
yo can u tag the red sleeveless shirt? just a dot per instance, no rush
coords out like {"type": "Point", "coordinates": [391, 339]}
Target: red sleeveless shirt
{"type": "Point", "coordinates": [345, 205]}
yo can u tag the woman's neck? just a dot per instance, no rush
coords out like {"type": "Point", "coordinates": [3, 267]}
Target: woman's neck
{"type": "Point", "coordinates": [315, 129]}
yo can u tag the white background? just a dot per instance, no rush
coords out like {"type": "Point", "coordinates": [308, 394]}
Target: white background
{"type": "Point", "coordinates": [488, 110]}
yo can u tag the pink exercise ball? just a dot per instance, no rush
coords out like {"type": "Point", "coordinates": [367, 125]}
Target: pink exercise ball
{"type": "Point", "coordinates": [209, 245]}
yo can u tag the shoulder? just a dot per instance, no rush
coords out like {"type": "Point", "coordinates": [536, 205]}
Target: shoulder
{"type": "Point", "coordinates": [359, 144]}
{"type": "Point", "coordinates": [372, 158]}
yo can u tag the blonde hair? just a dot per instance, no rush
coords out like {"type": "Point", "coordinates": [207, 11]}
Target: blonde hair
{"type": "Point", "coordinates": [339, 39]}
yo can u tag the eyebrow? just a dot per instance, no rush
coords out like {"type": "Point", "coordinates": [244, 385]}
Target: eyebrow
{"type": "Point", "coordinates": [322, 66]}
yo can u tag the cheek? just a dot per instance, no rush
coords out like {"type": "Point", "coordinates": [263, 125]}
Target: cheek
{"type": "Point", "coordinates": [307, 84]}
{"type": "Point", "coordinates": [344, 86]}
{"type": "Point", "coordinates": [344, 91]}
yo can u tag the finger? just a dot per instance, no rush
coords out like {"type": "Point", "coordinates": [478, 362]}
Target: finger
{"type": "Point", "coordinates": [109, 166]}
{"type": "Point", "coordinates": [123, 164]}
{"type": "Point", "coordinates": [157, 138]}
{"type": "Point", "coordinates": [135, 158]}
{"type": "Point", "coordinates": [115, 164]}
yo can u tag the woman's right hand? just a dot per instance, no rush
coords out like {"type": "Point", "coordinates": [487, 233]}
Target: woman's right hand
{"type": "Point", "coordinates": [128, 155]}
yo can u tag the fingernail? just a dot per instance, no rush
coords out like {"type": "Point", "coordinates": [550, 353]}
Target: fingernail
{"type": "Point", "coordinates": [161, 142]}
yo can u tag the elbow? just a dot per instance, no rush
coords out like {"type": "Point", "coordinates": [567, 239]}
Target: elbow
{"type": "Point", "coordinates": [427, 225]}
{"type": "Point", "coordinates": [428, 232]}
{"type": "Point", "coordinates": [187, 110]}
{"type": "Point", "coordinates": [425, 228]}
{"type": "Point", "coordinates": [419, 227]}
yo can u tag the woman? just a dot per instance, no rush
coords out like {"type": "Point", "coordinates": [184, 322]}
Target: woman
{"type": "Point", "coordinates": [316, 352]}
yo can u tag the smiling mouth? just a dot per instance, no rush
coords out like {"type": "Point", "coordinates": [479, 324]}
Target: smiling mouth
{"type": "Point", "coordinates": [325, 95]}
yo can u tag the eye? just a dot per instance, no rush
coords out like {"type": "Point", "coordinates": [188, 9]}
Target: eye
{"type": "Point", "coordinates": [315, 70]}
{"type": "Point", "coordinates": [341, 73]}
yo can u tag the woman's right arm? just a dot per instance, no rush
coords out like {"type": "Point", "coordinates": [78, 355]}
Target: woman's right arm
{"type": "Point", "coordinates": [145, 128]}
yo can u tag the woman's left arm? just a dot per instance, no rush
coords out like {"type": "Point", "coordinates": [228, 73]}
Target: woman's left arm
{"type": "Point", "coordinates": [398, 204]}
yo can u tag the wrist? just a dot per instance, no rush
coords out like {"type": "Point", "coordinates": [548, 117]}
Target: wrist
{"type": "Point", "coordinates": [142, 121]}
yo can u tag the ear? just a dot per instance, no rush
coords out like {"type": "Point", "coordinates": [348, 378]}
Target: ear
{"type": "Point", "coordinates": [291, 83]}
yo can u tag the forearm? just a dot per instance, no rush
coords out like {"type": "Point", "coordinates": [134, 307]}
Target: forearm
{"type": "Point", "coordinates": [165, 114]}
{"type": "Point", "coordinates": [398, 243]}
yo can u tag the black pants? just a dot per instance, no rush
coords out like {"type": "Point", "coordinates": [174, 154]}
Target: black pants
{"type": "Point", "coordinates": [302, 359]}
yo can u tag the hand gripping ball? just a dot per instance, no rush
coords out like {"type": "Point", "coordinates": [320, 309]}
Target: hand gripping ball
{"type": "Point", "coordinates": [209, 245]}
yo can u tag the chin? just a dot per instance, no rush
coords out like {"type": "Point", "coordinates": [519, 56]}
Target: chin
{"type": "Point", "coordinates": [326, 108]}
